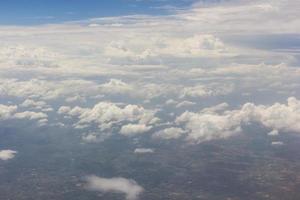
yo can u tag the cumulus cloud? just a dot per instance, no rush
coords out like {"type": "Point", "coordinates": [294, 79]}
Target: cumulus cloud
{"type": "Point", "coordinates": [115, 86]}
{"type": "Point", "coordinates": [64, 110]}
{"type": "Point", "coordinates": [105, 114]}
{"type": "Point", "coordinates": [30, 115]}
{"type": "Point", "coordinates": [273, 133]}
{"type": "Point", "coordinates": [35, 104]}
{"type": "Point", "coordinates": [11, 112]}
{"type": "Point", "coordinates": [134, 129]}
{"type": "Point", "coordinates": [207, 125]}
{"type": "Point", "coordinates": [7, 154]}
{"type": "Point", "coordinates": [169, 133]}
{"type": "Point", "coordinates": [91, 137]}
{"type": "Point", "coordinates": [117, 185]}
{"type": "Point", "coordinates": [6, 112]}
{"type": "Point", "coordinates": [95, 137]}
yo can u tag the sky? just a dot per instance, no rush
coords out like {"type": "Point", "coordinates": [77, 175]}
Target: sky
{"type": "Point", "coordinates": [168, 67]}
{"type": "Point", "coordinates": [26, 12]}
{"type": "Point", "coordinates": [153, 69]}
{"type": "Point", "coordinates": [192, 72]}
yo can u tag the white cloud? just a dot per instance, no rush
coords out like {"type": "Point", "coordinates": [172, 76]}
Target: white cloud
{"type": "Point", "coordinates": [106, 114]}
{"type": "Point", "coordinates": [132, 119]}
{"type": "Point", "coordinates": [169, 133]}
{"type": "Point", "coordinates": [7, 154]}
{"type": "Point", "coordinates": [143, 151]}
{"type": "Point", "coordinates": [243, 17]}
{"type": "Point", "coordinates": [92, 137]}
{"type": "Point", "coordinates": [115, 86]}
{"type": "Point", "coordinates": [95, 137]}
{"type": "Point", "coordinates": [171, 102]}
{"type": "Point", "coordinates": [134, 129]}
{"type": "Point", "coordinates": [136, 49]}
{"type": "Point", "coordinates": [46, 89]}
{"type": "Point", "coordinates": [30, 115]}
{"type": "Point", "coordinates": [40, 105]}
{"type": "Point", "coordinates": [273, 133]}
{"type": "Point", "coordinates": [117, 185]}
{"type": "Point", "coordinates": [6, 112]}
{"type": "Point", "coordinates": [32, 103]}
{"type": "Point", "coordinates": [204, 126]}
{"type": "Point", "coordinates": [64, 110]}
{"type": "Point", "coordinates": [10, 112]}
{"type": "Point", "coordinates": [207, 126]}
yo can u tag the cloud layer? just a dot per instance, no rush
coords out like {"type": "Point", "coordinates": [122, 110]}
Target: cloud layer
{"type": "Point", "coordinates": [142, 75]}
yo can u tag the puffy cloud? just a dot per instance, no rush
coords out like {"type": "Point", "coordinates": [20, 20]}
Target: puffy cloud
{"type": "Point", "coordinates": [118, 185]}
{"type": "Point", "coordinates": [134, 129]}
{"type": "Point", "coordinates": [64, 110]}
{"type": "Point", "coordinates": [92, 137]}
{"type": "Point", "coordinates": [32, 88]}
{"type": "Point", "coordinates": [6, 112]}
{"type": "Point", "coordinates": [273, 133]}
{"type": "Point", "coordinates": [40, 105]}
{"type": "Point", "coordinates": [30, 115]}
{"type": "Point", "coordinates": [282, 117]}
{"type": "Point", "coordinates": [7, 154]}
{"type": "Point", "coordinates": [95, 137]}
{"type": "Point", "coordinates": [32, 103]}
{"type": "Point", "coordinates": [10, 112]}
{"type": "Point", "coordinates": [115, 86]}
{"type": "Point", "coordinates": [169, 133]}
{"type": "Point", "coordinates": [143, 151]}
{"type": "Point", "coordinates": [207, 125]}
{"type": "Point", "coordinates": [107, 114]}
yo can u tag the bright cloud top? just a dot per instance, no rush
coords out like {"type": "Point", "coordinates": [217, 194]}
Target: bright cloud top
{"type": "Point", "coordinates": [7, 154]}
{"type": "Point", "coordinates": [207, 125]}
{"type": "Point", "coordinates": [118, 185]}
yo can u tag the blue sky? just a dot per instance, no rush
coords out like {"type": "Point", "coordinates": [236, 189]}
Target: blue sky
{"type": "Point", "coordinates": [27, 12]}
